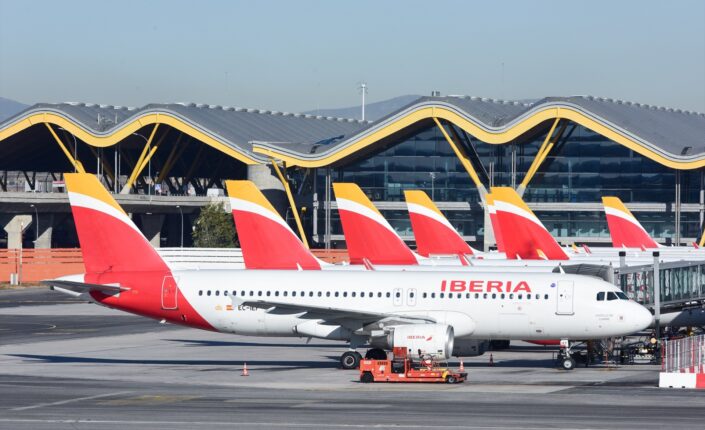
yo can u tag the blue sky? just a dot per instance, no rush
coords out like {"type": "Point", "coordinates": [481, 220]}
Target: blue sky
{"type": "Point", "coordinates": [302, 55]}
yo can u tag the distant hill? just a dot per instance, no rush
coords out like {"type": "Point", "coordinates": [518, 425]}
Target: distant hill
{"type": "Point", "coordinates": [373, 111]}
{"type": "Point", "coordinates": [9, 108]}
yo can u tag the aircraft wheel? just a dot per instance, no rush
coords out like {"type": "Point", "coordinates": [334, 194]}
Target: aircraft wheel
{"type": "Point", "coordinates": [451, 379]}
{"type": "Point", "coordinates": [375, 354]}
{"type": "Point", "coordinates": [350, 360]}
{"type": "Point", "coordinates": [367, 377]}
{"type": "Point", "coordinates": [568, 363]}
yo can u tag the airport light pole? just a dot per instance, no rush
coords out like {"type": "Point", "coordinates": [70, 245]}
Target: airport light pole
{"type": "Point", "coordinates": [182, 224]}
{"type": "Point", "coordinates": [36, 235]}
{"type": "Point", "coordinates": [433, 188]}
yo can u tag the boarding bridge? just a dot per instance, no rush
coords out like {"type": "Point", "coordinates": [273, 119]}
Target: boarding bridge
{"type": "Point", "coordinates": [681, 283]}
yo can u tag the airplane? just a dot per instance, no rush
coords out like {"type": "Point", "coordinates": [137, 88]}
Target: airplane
{"type": "Point", "coordinates": [426, 312]}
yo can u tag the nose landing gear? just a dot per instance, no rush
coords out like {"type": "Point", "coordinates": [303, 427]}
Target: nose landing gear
{"type": "Point", "coordinates": [565, 359]}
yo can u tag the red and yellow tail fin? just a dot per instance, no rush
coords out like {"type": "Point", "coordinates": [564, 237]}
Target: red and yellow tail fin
{"type": "Point", "coordinates": [523, 233]}
{"type": "Point", "coordinates": [495, 222]}
{"type": "Point", "coordinates": [433, 233]}
{"type": "Point", "coordinates": [266, 240]}
{"type": "Point", "coordinates": [110, 241]}
{"type": "Point", "coordinates": [625, 229]}
{"type": "Point", "coordinates": [367, 234]}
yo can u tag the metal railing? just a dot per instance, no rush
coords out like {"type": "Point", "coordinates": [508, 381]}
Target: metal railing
{"type": "Point", "coordinates": [685, 355]}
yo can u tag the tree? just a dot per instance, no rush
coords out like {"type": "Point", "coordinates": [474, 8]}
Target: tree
{"type": "Point", "coordinates": [214, 228]}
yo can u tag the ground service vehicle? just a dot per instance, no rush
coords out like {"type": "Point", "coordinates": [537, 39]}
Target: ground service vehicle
{"type": "Point", "coordinates": [401, 368]}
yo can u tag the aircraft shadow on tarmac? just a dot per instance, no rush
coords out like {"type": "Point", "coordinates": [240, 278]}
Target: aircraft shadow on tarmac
{"type": "Point", "coordinates": [292, 364]}
{"type": "Point", "coordinates": [192, 342]}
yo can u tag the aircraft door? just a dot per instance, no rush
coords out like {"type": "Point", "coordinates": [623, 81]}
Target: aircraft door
{"type": "Point", "coordinates": [397, 296]}
{"type": "Point", "coordinates": [564, 297]}
{"type": "Point", "coordinates": [411, 297]}
{"type": "Point", "coordinates": [169, 293]}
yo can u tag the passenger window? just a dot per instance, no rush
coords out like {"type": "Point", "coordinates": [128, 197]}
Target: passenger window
{"type": "Point", "coordinates": [601, 296]}
{"type": "Point", "coordinates": [345, 293]}
{"type": "Point", "coordinates": [501, 296]}
{"type": "Point", "coordinates": [545, 296]}
{"type": "Point", "coordinates": [310, 293]}
{"type": "Point", "coordinates": [511, 296]}
{"type": "Point", "coordinates": [433, 295]}
{"type": "Point", "coordinates": [484, 296]}
{"type": "Point", "coordinates": [200, 292]}
{"type": "Point", "coordinates": [286, 293]}
{"type": "Point", "coordinates": [217, 292]}
{"type": "Point", "coordinates": [353, 293]}
{"type": "Point", "coordinates": [293, 294]}
{"type": "Point", "coordinates": [519, 296]}
{"type": "Point", "coordinates": [225, 292]}
{"type": "Point", "coordinates": [362, 294]}
{"type": "Point", "coordinates": [389, 295]}
{"type": "Point", "coordinates": [442, 295]}
{"type": "Point", "coordinates": [467, 296]}
{"type": "Point", "coordinates": [242, 293]}
{"type": "Point", "coordinates": [267, 293]}
{"type": "Point", "coordinates": [234, 292]}
{"type": "Point", "coordinates": [276, 294]}
{"type": "Point", "coordinates": [450, 295]}
{"type": "Point", "coordinates": [611, 296]}
{"type": "Point", "coordinates": [397, 294]}
{"type": "Point", "coordinates": [208, 293]}
{"type": "Point", "coordinates": [320, 293]}
{"type": "Point", "coordinates": [411, 295]}
{"type": "Point", "coordinates": [477, 295]}
{"type": "Point", "coordinates": [379, 294]}
{"type": "Point", "coordinates": [327, 293]}
{"type": "Point", "coordinates": [259, 293]}
{"type": "Point", "coordinates": [424, 295]}
{"type": "Point", "coordinates": [494, 295]}
{"type": "Point", "coordinates": [337, 294]}
{"type": "Point", "coordinates": [528, 296]}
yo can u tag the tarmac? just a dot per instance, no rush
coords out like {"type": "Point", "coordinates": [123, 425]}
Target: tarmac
{"type": "Point", "coordinates": [65, 364]}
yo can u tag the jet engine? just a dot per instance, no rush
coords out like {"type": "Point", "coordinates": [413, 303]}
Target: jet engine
{"type": "Point", "coordinates": [419, 339]}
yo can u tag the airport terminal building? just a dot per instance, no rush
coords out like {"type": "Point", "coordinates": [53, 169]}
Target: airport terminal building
{"type": "Point", "coordinates": [165, 161]}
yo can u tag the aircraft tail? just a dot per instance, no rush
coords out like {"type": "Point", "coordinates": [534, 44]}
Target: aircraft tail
{"type": "Point", "coordinates": [495, 223]}
{"type": "Point", "coordinates": [110, 241]}
{"type": "Point", "coordinates": [266, 240]}
{"type": "Point", "coordinates": [367, 234]}
{"type": "Point", "coordinates": [625, 229]}
{"type": "Point", "coordinates": [433, 233]}
{"type": "Point", "coordinates": [524, 235]}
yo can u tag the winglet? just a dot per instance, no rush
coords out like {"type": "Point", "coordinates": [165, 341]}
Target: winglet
{"type": "Point", "coordinates": [625, 229]}
{"type": "Point", "coordinates": [524, 235]}
{"type": "Point", "coordinates": [433, 233]}
{"type": "Point", "coordinates": [367, 234]}
{"type": "Point", "coordinates": [266, 240]}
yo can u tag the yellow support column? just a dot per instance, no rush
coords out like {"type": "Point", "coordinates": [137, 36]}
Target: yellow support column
{"type": "Point", "coordinates": [76, 164]}
{"type": "Point", "coordinates": [146, 154]}
{"type": "Point", "coordinates": [460, 153]}
{"type": "Point", "coordinates": [545, 148]}
{"type": "Point", "coordinates": [294, 210]}
{"type": "Point", "coordinates": [702, 240]}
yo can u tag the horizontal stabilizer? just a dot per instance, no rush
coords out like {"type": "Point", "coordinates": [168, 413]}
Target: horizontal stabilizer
{"type": "Point", "coordinates": [82, 287]}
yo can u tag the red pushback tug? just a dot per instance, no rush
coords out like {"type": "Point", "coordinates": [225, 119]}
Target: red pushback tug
{"type": "Point", "coordinates": [402, 369]}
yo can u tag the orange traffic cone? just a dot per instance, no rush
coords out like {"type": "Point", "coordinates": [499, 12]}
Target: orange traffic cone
{"type": "Point", "coordinates": [244, 371]}
{"type": "Point", "coordinates": [461, 367]}
{"type": "Point", "coordinates": [491, 360]}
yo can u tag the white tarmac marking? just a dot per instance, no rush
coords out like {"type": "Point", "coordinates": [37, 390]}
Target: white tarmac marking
{"type": "Point", "coordinates": [63, 402]}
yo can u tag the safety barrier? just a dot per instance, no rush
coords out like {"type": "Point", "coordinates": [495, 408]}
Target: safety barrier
{"type": "Point", "coordinates": [33, 265]}
{"type": "Point", "coordinates": [683, 363]}
{"type": "Point", "coordinates": [686, 355]}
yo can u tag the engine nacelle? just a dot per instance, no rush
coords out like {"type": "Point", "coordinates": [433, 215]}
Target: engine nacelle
{"type": "Point", "coordinates": [469, 347]}
{"type": "Point", "coordinates": [419, 339]}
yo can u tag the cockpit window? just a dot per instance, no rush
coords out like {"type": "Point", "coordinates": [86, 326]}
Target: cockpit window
{"type": "Point", "coordinates": [611, 296]}
{"type": "Point", "coordinates": [622, 296]}
{"type": "Point", "coordinates": [601, 296]}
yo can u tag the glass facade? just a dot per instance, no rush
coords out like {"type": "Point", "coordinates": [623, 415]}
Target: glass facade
{"type": "Point", "coordinates": [581, 167]}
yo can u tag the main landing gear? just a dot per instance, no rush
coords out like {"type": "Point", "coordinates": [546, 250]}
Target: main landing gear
{"type": "Point", "coordinates": [351, 359]}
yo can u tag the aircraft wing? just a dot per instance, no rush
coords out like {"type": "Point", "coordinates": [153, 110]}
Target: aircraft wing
{"type": "Point", "coordinates": [335, 315]}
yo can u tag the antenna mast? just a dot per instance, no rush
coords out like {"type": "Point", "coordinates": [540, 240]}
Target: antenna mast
{"type": "Point", "coordinates": [363, 90]}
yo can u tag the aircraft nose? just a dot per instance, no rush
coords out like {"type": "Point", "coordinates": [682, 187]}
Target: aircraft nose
{"type": "Point", "coordinates": [642, 317]}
